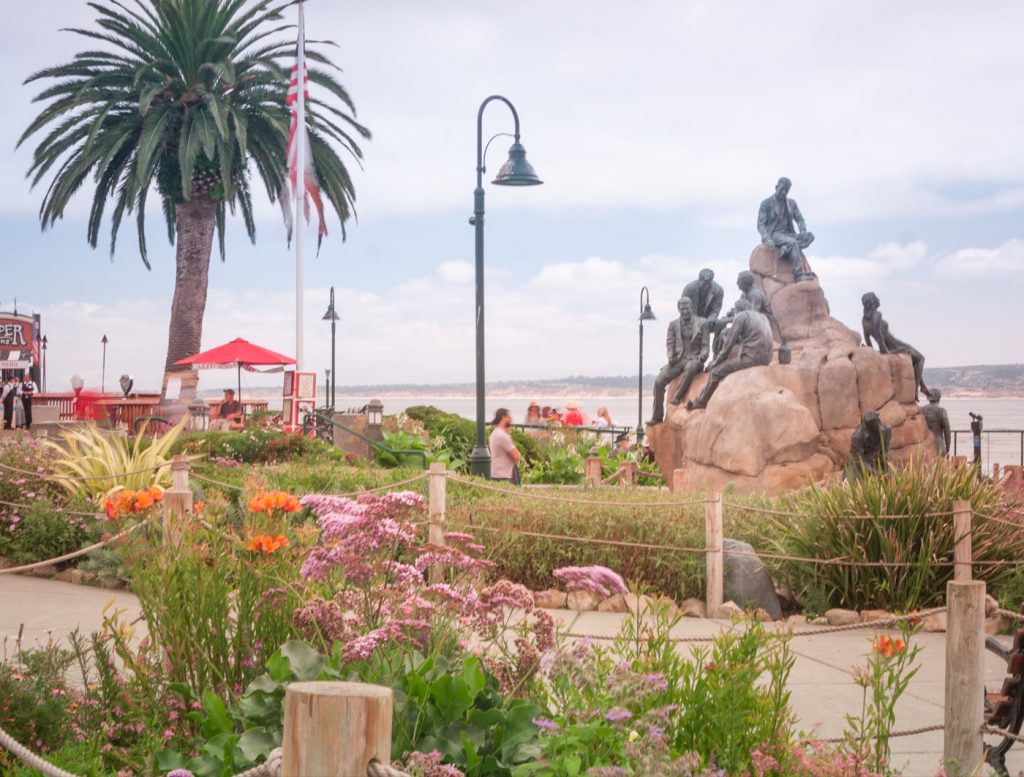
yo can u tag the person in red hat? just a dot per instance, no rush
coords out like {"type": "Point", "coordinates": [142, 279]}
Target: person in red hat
{"type": "Point", "coordinates": [573, 416]}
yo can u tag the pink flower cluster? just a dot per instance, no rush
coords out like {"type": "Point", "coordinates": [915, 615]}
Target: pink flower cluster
{"type": "Point", "coordinates": [596, 579]}
{"type": "Point", "coordinates": [429, 765]}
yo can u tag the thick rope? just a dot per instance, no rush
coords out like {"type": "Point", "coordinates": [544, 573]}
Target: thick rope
{"type": "Point", "coordinates": [910, 732]}
{"type": "Point", "coordinates": [616, 543]}
{"type": "Point", "coordinates": [881, 623]}
{"type": "Point", "coordinates": [1001, 732]}
{"type": "Point", "coordinates": [82, 478]}
{"type": "Point", "coordinates": [385, 487]}
{"type": "Point", "coordinates": [30, 759]}
{"type": "Point", "coordinates": [855, 517]}
{"type": "Point", "coordinates": [526, 494]}
{"type": "Point", "coordinates": [81, 513]}
{"type": "Point", "coordinates": [74, 554]}
{"type": "Point", "coordinates": [994, 519]}
{"type": "Point", "coordinates": [1009, 614]}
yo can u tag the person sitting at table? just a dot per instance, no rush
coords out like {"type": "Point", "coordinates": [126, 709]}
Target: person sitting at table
{"type": "Point", "coordinates": [227, 414]}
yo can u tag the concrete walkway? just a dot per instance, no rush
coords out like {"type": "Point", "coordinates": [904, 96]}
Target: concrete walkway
{"type": "Point", "coordinates": [823, 692]}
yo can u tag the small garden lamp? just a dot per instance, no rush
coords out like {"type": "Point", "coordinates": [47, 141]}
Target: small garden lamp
{"type": "Point", "coordinates": [375, 413]}
{"type": "Point", "coordinates": [646, 314]}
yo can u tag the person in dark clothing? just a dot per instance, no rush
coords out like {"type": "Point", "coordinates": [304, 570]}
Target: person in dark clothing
{"type": "Point", "coordinates": [26, 391]}
{"type": "Point", "coordinates": [8, 392]}
{"type": "Point", "coordinates": [751, 334]}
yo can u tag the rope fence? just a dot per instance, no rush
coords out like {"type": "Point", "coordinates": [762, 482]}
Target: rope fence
{"type": "Point", "coordinates": [74, 554]}
{"type": "Point", "coordinates": [86, 478]}
{"type": "Point", "coordinates": [376, 489]}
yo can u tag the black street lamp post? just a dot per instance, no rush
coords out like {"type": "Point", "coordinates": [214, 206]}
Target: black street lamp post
{"type": "Point", "coordinates": [103, 374]}
{"type": "Point", "coordinates": [332, 316]}
{"type": "Point", "coordinates": [646, 314]}
{"type": "Point", "coordinates": [44, 363]}
{"type": "Point", "coordinates": [515, 172]}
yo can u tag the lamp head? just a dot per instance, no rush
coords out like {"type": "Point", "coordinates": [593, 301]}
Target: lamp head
{"type": "Point", "coordinates": [104, 340]}
{"type": "Point", "coordinates": [647, 314]}
{"type": "Point", "coordinates": [331, 314]}
{"type": "Point", "coordinates": [517, 171]}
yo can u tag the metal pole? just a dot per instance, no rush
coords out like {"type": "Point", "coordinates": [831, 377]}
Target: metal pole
{"type": "Point", "coordinates": [103, 373]}
{"type": "Point", "coordinates": [480, 458]}
{"type": "Point", "coordinates": [44, 364]}
{"type": "Point", "coordinates": [334, 371]}
{"type": "Point", "coordinates": [300, 180]}
{"type": "Point", "coordinates": [640, 391]}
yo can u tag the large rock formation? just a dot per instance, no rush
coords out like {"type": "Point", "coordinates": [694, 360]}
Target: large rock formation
{"type": "Point", "coordinates": [779, 427]}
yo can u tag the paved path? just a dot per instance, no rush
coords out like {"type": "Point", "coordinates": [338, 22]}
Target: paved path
{"type": "Point", "coordinates": [822, 690]}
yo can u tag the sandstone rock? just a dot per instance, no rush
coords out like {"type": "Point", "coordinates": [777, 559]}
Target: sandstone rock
{"type": "Point", "coordinates": [765, 262]}
{"type": "Point", "coordinates": [840, 440]}
{"type": "Point", "coordinates": [801, 378]}
{"type": "Point", "coordinates": [76, 576]}
{"type": "Point", "coordinates": [840, 617]}
{"type": "Point", "coordinates": [866, 616]}
{"type": "Point", "coordinates": [615, 603]}
{"type": "Point", "coordinates": [728, 611]}
{"type": "Point", "coordinates": [902, 370]}
{"type": "Point", "coordinates": [6, 563]}
{"type": "Point", "coordinates": [638, 605]}
{"type": "Point", "coordinates": [894, 414]}
{"type": "Point", "coordinates": [747, 582]}
{"type": "Point", "coordinates": [912, 431]}
{"type": "Point", "coordinates": [874, 379]}
{"type": "Point", "coordinates": [582, 601]}
{"type": "Point", "coordinates": [837, 393]}
{"type": "Point", "coordinates": [778, 478]}
{"type": "Point", "coordinates": [935, 623]}
{"type": "Point", "coordinates": [666, 605]}
{"type": "Point", "coordinates": [798, 308]}
{"type": "Point", "coordinates": [796, 620]}
{"type": "Point", "coordinates": [47, 570]}
{"type": "Point", "coordinates": [113, 583]}
{"type": "Point", "coordinates": [762, 615]}
{"type": "Point", "coordinates": [693, 608]}
{"type": "Point", "coordinates": [550, 599]}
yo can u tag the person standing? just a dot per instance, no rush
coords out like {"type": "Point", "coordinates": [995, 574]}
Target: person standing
{"type": "Point", "coordinates": [7, 394]}
{"type": "Point", "coordinates": [573, 416]}
{"type": "Point", "coordinates": [504, 454]}
{"type": "Point", "coordinates": [26, 391]}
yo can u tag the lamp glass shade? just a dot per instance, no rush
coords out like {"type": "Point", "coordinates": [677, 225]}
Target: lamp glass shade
{"type": "Point", "coordinates": [647, 314]}
{"type": "Point", "coordinates": [517, 171]}
{"type": "Point", "coordinates": [331, 315]}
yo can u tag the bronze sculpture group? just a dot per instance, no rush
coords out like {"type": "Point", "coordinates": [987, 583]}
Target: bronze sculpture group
{"type": "Point", "coordinates": [743, 337]}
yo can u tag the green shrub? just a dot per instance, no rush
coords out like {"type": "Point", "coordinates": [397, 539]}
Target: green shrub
{"type": "Point", "coordinates": [924, 541]}
{"type": "Point", "coordinates": [255, 446]}
{"type": "Point", "coordinates": [459, 434]}
{"type": "Point", "coordinates": [33, 708]}
{"type": "Point", "coordinates": [42, 532]}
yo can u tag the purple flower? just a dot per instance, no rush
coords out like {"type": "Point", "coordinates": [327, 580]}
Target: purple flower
{"type": "Point", "coordinates": [616, 714]}
{"type": "Point", "coordinates": [547, 725]}
{"type": "Point", "coordinates": [597, 579]}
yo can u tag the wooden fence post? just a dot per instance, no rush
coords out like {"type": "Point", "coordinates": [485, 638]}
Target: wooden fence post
{"type": "Point", "coordinates": [438, 480]}
{"type": "Point", "coordinates": [592, 469]}
{"type": "Point", "coordinates": [177, 501]}
{"type": "Point", "coordinates": [335, 729]}
{"type": "Point", "coordinates": [713, 558]}
{"type": "Point", "coordinates": [630, 473]}
{"type": "Point", "coordinates": [963, 554]}
{"type": "Point", "coordinates": [965, 676]}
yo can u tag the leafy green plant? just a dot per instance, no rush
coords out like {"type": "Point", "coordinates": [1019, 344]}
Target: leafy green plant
{"type": "Point", "coordinates": [256, 446]}
{"type": "Point", "coordinates": [104, 459]}
{"type": "Point", "coordinates": [32, 691]}
{"type": "Point", "coordinates": [915, 546]}
{"type": "Point", "coordinates": [562, 465]}
{"type": "Point", "coordinates": [890, 668]}
{"type": "Point", "coordinates": [41, 532]}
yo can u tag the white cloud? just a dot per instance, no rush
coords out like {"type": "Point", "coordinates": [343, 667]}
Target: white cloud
{"type": "Point", "coordinates": [992, 264]}
{"type": "Point", "coordinates": [456, 272]}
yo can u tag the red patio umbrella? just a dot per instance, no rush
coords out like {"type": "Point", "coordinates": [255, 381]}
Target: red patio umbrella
{"type": "Point", "coordinates": [238, 353]}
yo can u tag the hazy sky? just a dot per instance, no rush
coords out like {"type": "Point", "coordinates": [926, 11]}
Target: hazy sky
{"type": "Point", "coordinates": [657, 127]}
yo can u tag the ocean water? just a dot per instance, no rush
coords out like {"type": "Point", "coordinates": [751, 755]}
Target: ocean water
{"type": "Point", "coordinates": [1002, 447]}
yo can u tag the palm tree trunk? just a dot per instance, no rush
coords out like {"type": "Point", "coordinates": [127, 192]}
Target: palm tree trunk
{"type": "Point", "coordinates": [195, 225]}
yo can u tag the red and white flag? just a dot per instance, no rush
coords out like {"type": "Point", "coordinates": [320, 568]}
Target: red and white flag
{"type": "Point", "coordinates": [312, 185]}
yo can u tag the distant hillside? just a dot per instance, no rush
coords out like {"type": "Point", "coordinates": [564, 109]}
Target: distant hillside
{"type": "Point", "coordinates": [987, 379]}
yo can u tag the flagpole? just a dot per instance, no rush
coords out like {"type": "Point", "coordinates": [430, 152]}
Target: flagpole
{"type": "Point", "coordinates": [300, 181]}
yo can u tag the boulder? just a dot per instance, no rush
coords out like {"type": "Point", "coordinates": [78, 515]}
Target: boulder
{"type": "Point", "coordinates": [615, 603]}
{"type": "Point", "coordinates": [728, 611]}
{"type": "Point", "coordinates": [765, 263]}
{"type": "Point", "coordinates": [902, 370]}
{"type": "Point", "coordinates": [841, 617]}
{"type": "Point", "coordinates": [798, 308]}
{"type": "Point", "coordinates": [837, 393]}
{"type": "Point", "coordinates": [867, 616]}
{"type": "Point", "coordinates": [583, 601]}
{"type": "Point", "coordinates": [747, 582]}
{"type": "Point", "coordinates": [550, 599]}
{"type": "Point", "coordinates": [638, 604]}
{"type": "Point", "coordinates": [693, 608]}
{"type": "Point", "coordinates": [934, 623]}
{"type": "Point", "coordinates": [796, 620]}
{"type": "Point", "coordinates": [874, 379]}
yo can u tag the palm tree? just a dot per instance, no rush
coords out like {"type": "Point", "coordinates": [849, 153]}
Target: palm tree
{"type": "Point", "coordinates": [186, 97]}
